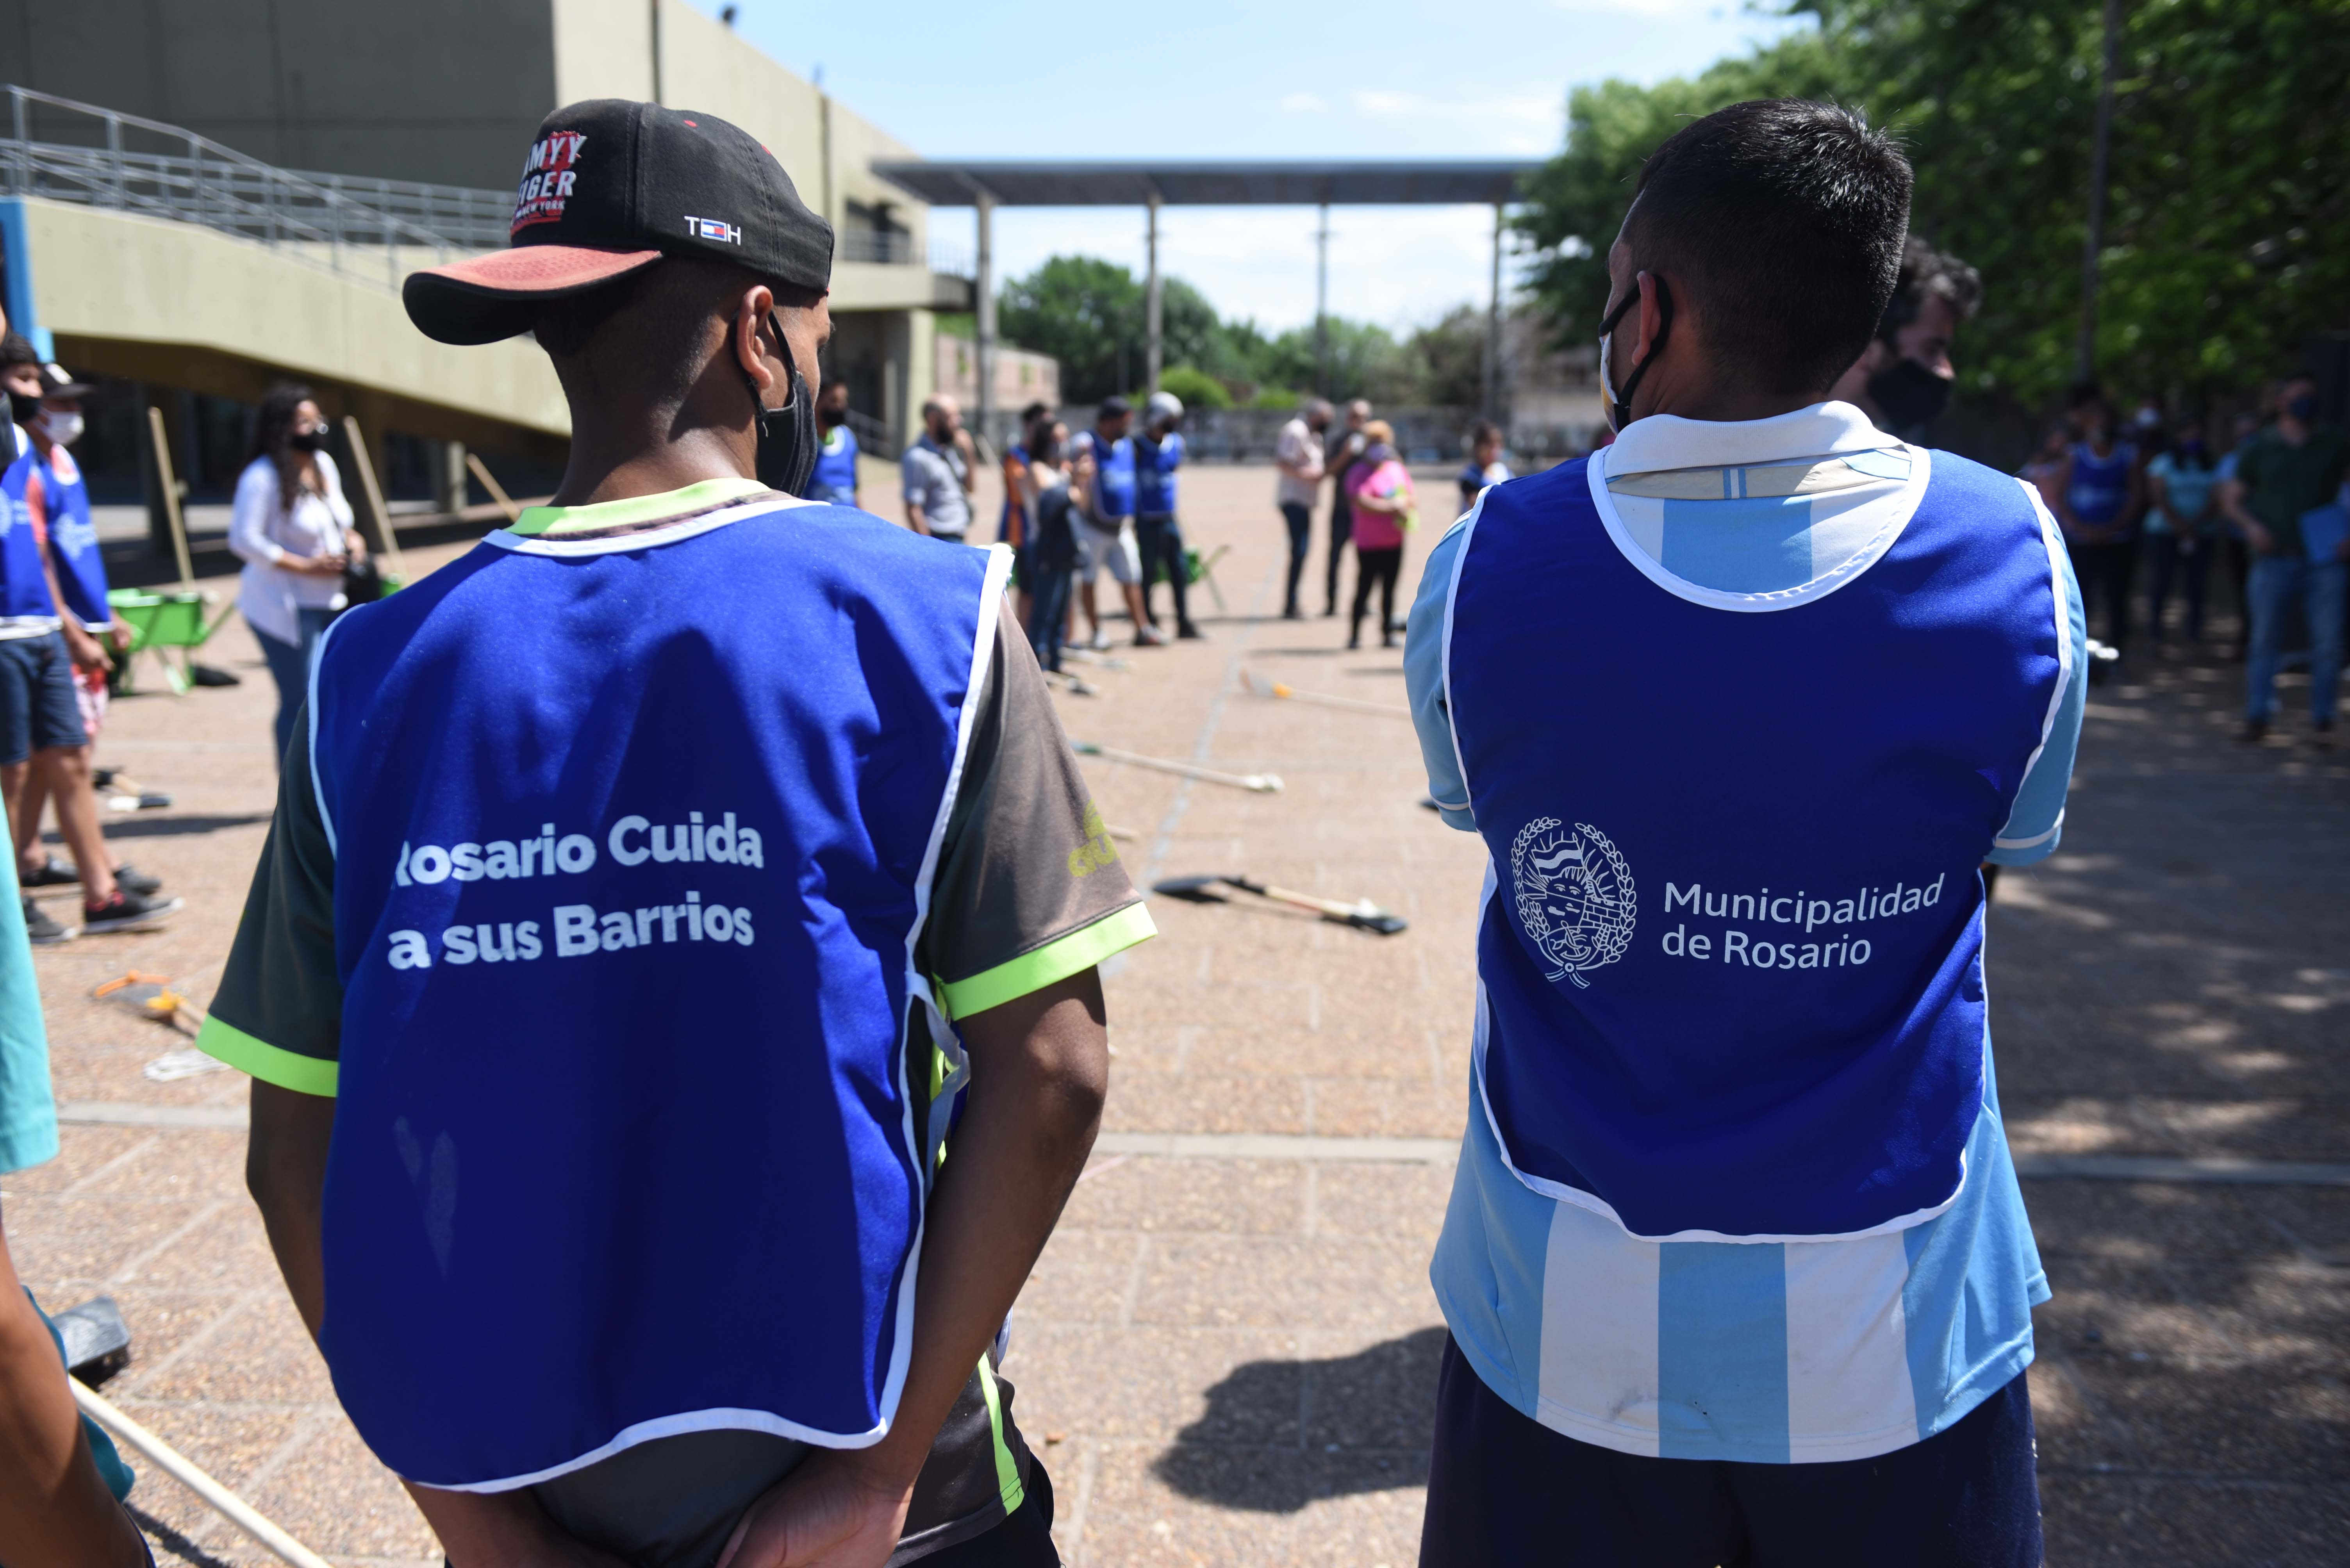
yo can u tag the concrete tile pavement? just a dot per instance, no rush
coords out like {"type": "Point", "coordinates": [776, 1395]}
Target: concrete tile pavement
{"type": "Point", "coordinates": [1232, 1361]}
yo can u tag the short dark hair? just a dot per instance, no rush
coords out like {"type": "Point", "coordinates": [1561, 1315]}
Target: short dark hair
{"type": "Point", "coordinates": [1928, 274]}
{"type": "Point", "coordinates": [655, 314]}
{"type": "Point", "coordinates": [1778, 222]}
{"type": "Point", "coordinates": [1113, 405]}
{"type": "Point", "coordinates": [16, 348]}
{"type": "Point", "coordinates": [1484, 431]}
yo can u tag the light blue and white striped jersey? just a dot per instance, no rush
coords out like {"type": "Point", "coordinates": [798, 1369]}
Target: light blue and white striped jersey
{"type": "Point", "coordinates": [1775, 1352]}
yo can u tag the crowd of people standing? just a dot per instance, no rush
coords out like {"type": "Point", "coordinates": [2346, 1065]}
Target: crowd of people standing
{"type": "Point", "coordinates": [2152, 503]}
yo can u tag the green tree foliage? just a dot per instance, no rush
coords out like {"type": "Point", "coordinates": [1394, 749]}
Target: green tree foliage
{"type": "Point", "coordinates": [2227, 238]}
{"type": "Point", "coordinates": [1195, 388]}
{"type": "Point", "coordinates": [1089, 313]}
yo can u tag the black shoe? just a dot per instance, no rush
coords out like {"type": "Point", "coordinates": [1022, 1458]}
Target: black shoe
{"type": "Point", "coordinates": [1390, 641]}
{"type": "Point", "coordinates": [54, 873]}
{"type": "Point", "coordinates": [130, 879]}
{"type": "Point", "coordinates": [127, 912]}
{"type": "Point", "coordinates": [1187, 632]}
{"type": "Point", "coordinates": [42, 929]}
{"type": "Point", "coordinates": [1292, 613]}
{"type": "Point", "coordinates": [1329, 612]}
{"type": "Point", "coordinates": [2321, 734]}
{"type": "Point", "coordinates": [2254, 732]}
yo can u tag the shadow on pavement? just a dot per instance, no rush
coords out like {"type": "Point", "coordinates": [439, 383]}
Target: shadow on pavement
{"type": "Point", "coordinates": [1353, 1424]}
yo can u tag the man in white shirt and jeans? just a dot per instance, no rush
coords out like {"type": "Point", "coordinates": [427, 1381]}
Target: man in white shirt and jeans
{"type": "Point", "coordinates": [1297, 453]}
{"type": "Point", "coordinates": [939, 473]}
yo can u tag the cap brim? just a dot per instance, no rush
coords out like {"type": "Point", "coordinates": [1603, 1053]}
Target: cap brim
{"type": "Point", "coordinates": [488, 298]}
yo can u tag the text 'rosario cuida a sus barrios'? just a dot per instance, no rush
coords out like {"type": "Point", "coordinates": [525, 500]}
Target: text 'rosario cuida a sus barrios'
{"type": "Point", "coordinates": [577, 929]}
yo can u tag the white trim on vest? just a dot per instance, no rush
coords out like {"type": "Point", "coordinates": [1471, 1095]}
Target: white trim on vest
{"type": "Point", "coordinates": [993, 585]}
{"type": "Point", "coordinates": [2053, 542]}
{"type": "Point", "coordinates": [318, 781]}
{"type": "Point", "coordinates": [1903, 507]}
{"type": "Point", "coordinates": [670, 534]}
{"type": "Point", "coordinates": [1452, 592]}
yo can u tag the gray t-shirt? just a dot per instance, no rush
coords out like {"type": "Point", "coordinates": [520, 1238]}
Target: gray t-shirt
{"type": "Point", "coordinates": [932, 476]}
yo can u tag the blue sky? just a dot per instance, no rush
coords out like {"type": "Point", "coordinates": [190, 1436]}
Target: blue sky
{"type": "Point", "coordinates": [1212, 79]}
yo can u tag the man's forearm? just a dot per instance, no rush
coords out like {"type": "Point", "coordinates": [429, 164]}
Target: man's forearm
{"type": "Point", "coordinates": [54, 1509]}
{"type": "Point", "coordinates": [914, 519]}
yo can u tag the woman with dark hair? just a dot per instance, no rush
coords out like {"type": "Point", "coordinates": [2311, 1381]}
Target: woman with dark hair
{"type": "Point", "coordinates": [293, 528]}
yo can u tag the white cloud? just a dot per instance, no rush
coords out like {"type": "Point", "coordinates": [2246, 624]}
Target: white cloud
{"type": "Point", "coordinates": [1372, 101]}
{"type": "Point", "coordinates": [1303, 103]}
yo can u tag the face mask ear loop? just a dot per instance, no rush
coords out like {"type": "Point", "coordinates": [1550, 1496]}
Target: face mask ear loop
{"type": "Point", "coordinates": [1664, 329]}
{"type": "Point", "coordinates": [759, 410]}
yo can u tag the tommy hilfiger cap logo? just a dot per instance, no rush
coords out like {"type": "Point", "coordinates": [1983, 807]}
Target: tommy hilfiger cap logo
{"type": "Point", "coordinates": [717, 229]}
{"type": "Point", "coordinates": [548, 177]}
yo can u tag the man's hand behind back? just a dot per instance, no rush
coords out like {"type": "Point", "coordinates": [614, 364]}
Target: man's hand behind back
{"type": "Point", "coordinates": [835, 1512]}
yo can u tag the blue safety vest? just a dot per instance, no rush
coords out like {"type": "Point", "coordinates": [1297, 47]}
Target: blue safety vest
{"type": "Point", "coordinates": [633, 841]}
{"type": "Point", "coordinates": [833, 479]}
{"type": "Point", "coordinates": [1731, 953]}
{"type": "Point", "coordinates": [1155, 463]}
{"type": "Point", "coordinates": [73, 544]}
{"type": "Point", "coordinates": [2100, 485]}
{"type": "Point", "coordinates": [1113, 486]}
{"type": "Point", "coordinates": [24, 588]}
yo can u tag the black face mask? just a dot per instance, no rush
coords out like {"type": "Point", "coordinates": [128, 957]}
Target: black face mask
{"type": "Point", "coordinates": [22, 408]}
{"type": "Point", "coordinates": [787, 438]}
{"type": "Point", "coordinates": [2303, 408]}
{"type": "Point", "coordinates": [1909, 394]}
{"type": "Point", "coordinates": [311, 440]}
{"type": "Point", "coordinates": [1623, 400]}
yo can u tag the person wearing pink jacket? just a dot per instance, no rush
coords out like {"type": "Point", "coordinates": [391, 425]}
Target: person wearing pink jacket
{"type": "Point", "coordinates": [1378, 492]}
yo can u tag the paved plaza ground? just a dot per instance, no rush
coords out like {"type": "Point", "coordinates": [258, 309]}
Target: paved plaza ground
{"type": "Point", "coordinates": [1228, 1353]}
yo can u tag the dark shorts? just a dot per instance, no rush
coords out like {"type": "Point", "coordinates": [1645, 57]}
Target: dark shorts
{"type": "Point", "coordinates": [38, 709]}
{"type": "Point", "coordinates": [1503, 1489]}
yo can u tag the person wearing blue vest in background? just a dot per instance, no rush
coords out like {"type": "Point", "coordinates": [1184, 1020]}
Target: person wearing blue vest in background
{"type": "Point", "coordinates": [2100, 495]}
{"type": "Point", "coordinates": [652, 890]}
{"type": "Point", "coordinates": [43, 656]}
{"type": "Point", "coordinates": [56, 504]}
{"type": "Point", "coordinates": [1736, 1268]}
{"type": "Point", "coordinates": [1102, 463]}
{"type": "Point", "coordinates": [834, 482]}
{"type": "Point", "coordinates": [1158, 454]}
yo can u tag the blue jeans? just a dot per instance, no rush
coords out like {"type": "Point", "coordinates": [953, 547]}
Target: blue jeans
{"type": "Point", "coordinates": [2276, 582]}
{"type": "Point", "coordinates": [290, 666]}
{"type": "Point", "coordinates": [1049, 608]}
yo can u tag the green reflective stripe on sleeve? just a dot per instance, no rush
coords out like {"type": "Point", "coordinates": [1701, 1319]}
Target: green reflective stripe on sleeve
{"type": "Point", "coordinates": [270, 1064]}
{"type": "Point", "coordinates": [1007, 1469]}
{"type": "Point", "coordinates": [536, 520]}
{"type": "Point", "coordinates": [1055, 960]}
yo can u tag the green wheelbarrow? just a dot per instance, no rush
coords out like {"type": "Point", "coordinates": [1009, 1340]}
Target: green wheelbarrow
{"type": "Point", "coordinates": [1197, 569]}
{"type": "Point", "coordinates": [168, 620]}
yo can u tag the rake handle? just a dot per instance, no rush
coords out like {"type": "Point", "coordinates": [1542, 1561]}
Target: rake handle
{"type": "Point", "coordinates": [180, 1468]}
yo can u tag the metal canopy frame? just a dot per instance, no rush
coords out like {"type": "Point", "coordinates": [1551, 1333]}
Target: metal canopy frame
{"type": "Point", "coordinates": [987, 184]}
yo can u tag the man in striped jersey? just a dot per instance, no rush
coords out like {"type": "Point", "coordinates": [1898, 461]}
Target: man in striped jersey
{"type": "Point", "coordinates": [1736, 1266]}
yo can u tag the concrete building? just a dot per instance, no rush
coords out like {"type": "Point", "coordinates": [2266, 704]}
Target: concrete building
{"type": "Point", "coordinates": [134, 247]}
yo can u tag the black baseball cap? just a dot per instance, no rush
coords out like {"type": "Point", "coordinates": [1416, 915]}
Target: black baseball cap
{"type": "Point", "coordinates": [610, 186]}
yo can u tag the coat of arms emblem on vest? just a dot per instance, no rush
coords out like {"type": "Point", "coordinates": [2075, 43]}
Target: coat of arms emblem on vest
{"type": "Point", "coordinates": [1575, 898]}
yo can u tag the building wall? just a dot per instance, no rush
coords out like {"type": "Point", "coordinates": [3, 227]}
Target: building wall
{"type": "Point", "coordinates": [1022, 377]}
{"type": "Point", "coordinates": [603, 49]}
{"type": "Point", "coordinates": [354, 86]}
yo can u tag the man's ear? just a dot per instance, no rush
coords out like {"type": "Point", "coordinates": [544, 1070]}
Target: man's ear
{"type": "Point", "coordinates": [746, 336]}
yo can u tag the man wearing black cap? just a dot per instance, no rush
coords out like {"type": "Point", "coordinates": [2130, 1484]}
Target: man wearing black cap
{"type": "Point", "coordinates": [657, 886]}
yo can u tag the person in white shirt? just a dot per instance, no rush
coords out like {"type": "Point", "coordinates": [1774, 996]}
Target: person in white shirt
{"type": "Point", "coordinates": [1297, 453]}
{"type": "Point", "coordinates": [292, 527]}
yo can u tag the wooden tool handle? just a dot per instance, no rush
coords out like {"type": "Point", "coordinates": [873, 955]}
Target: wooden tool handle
{"type": "Point", "coordinates": [181, 1468]}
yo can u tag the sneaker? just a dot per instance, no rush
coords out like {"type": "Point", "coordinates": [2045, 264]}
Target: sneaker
{"type": "Point", "coordinates": [2254, 732]}
{"type": "Point", "coordinates": [1187, 632]}
{"type": "Point", "coordinates": [127, 912]}
{"type": "Point", "coordinates": [53, 873]}
{"type": "Point", "coordinates": [42, 929]}
{"type": "Point", "coordinates": [2321, 734]}
{"type": "Point", "coordinates": [1390, 641]}
{"type": "Point", "coordinates": [1099, 641]}
{"type": "Point", "coordinates": [1292, 613]}
{"type": "Point", "coordinates": [1149, 636]}
{"type": "Point", "coordinates": [131, 880]}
